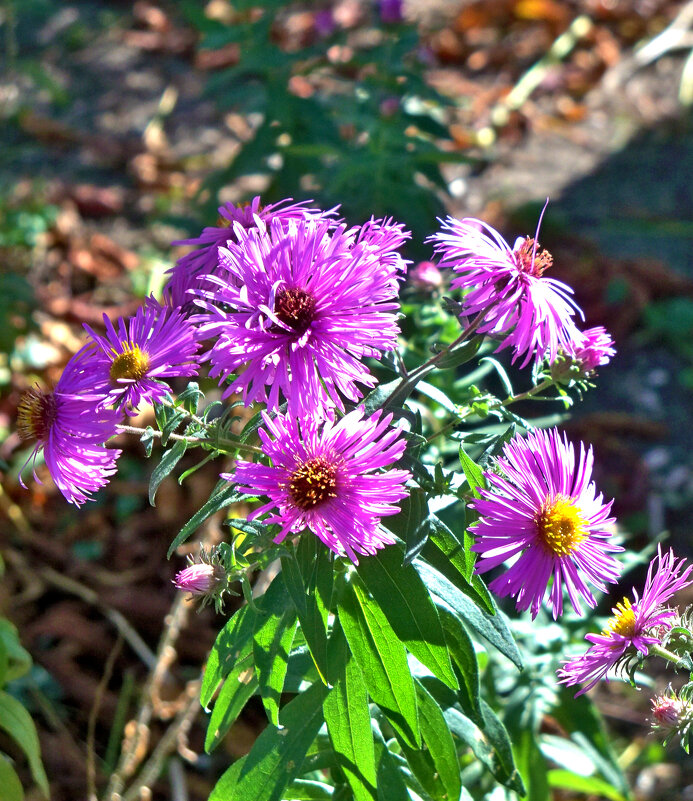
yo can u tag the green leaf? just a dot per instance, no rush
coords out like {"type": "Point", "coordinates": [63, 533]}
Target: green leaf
{"type": "Point", "coordinates": [441, 748]}
{"type": "Point", "coordinates": [456, 552]}
{"type": "Point", "coordinates": [382, 659]}
{"type": "Point", "coordinates": [531, 764]}
{"type": "Point", "coordinates": [277, 755]}
{"type": "Point", "coordinates": [409, 609]}
{"type": "Point", "coordinates": [391, 785]}
{"type": "Point", "coordinates": [17, 658]}
{"type": "Point", "coordinates": [223, 495]}
{"type": "Point", "coordinates": [17, 722]}
{"type": "Point", "coordinates": [463, 653]}
{"type": "Point", "coordinates": [487, 743]}
{"type": "Point", "coordinates": [308, 790]}
{"type": "Point", "coordinates": [308, 578]}
{"type": "Point", "coordinates": [9, 781]}
{"type": "Point", "coordinates": [169, 460]}
{"type": "Point", "coordinates": [238, 687]}
{"type": "Point", "coordinates": [461, 354]}
{"type": "Point", "coordinates": [232, 642]}
{"type": "Point", "coordinates": [492, 627]}
{"type": "Point", "coordinates": [275, 629]}
{"type": "Point", "coordinates": [410, 524]}
{"type": "Point", "coordinates": [587, 785]}
{"type": "Point", "coordinates": [473, 473]}
{"type": "Point", "coordinates": [348, 721]}
{"type": "Point", "coordinates": [190, 397]}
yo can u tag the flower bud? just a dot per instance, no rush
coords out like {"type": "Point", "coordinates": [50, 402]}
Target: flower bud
{"type": "Point", "coordinates": [199, 578]}
{"type": "Point", "coordinates": [671, 715]}
{"type": "Point", "coordinates": [426, 277]}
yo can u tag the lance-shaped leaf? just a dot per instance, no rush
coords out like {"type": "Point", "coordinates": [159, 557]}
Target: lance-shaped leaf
{"type": "Point", "coordinates": [169, 460]}
{"type": "Point", "coordinates": [382, 659]}
{"type": "Point", "coordinates": [404, 599]}
{"type": "Point", "coordinates": [232, 642]}
{"type": "Point", "coordinates": [454, 559]}
{"type": "Point", "coordinates": [463, 654]}
{"type": "Point", "coordinates": [237, 689]}
{"type": "Point", "coordinates": [308, 579]}
{"type": "Point", "coordinates": [348, 721]}
{"type": "Point", "coordinates": [437, 767]}
{"type": "Point", "coordinates": [277, 756]}
{"type": "Point", "coordinates": [17, 722]}
{"type": "Point", "coordinates": [272, 641]}
{"type": "Point", "coordinates": [9, 781]}
{"type": "Point", "coordinates": [491, 627]}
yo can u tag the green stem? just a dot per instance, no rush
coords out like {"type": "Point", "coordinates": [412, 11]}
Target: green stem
{"type": "Point", "coordinates": [227, 445]}
{"type": "Point", "coordinates": [658, 650]}
{"type": "Point", "coordinates": [408, 382]}
{"type": "Point", "coordinates": [545, 384]}
{"type": "Point", "coordinates": [193, 417]}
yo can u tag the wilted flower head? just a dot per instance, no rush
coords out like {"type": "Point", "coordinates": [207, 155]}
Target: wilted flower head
{"type": "Point", "coordinates": [326, 478]}
{"type": "Point", "coordinates": [296, 306]}
{"type": "Point", "coordinates": [542, 511]}
{"type": "Point", "coordinates": [204, 260]}
{"type": "Point", "coordinates": [526, 311]}
{"type": "Point", "coordinates": [128, 362]}
{"type": "Point", "coordinates": [637, 625]}
{"type": "Point", "coordinates": [70, 428]}
{"type": "Point", "coordinates": [584, 353]}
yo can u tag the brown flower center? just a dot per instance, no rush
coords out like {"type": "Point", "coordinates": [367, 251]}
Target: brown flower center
{"type": "Point", "coordinates": [36, 414]}
{"type": "Point", "coordinates": [132, 363]}
{"type": "Point", "coordinates": [561, 526]}
{"type": "Point", "coordinates": [313, 482]}
{"type": "Point", "coordinates": [295, 308]}
{"type": "Point", "coordinates": [542, 258]}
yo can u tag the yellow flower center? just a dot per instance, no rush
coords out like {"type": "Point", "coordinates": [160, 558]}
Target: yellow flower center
{"type": "Point", "coordinates": [313, 482]}
{"type": "Point", "coordinates": [35, 414]}
{"type": "Point", "coordinates": [132, 363]}
{"type": "Point", "coordinates": [623, 621]}
{"type": "Point", "coordinates": [561, 526]}
{"type": "Point", "coordinates": [542, 258]}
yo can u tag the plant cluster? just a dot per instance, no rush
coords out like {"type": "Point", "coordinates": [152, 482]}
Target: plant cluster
{"type": "Point", "coordinates": [383, 484]}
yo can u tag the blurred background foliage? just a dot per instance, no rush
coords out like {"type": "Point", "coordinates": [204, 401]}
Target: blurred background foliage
{"type": "Point", "coordinates": [123, 128]}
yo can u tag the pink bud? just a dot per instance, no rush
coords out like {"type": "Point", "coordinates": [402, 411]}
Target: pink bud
{"type": "Point", "coordinates": [426, 276]}
{"type": "Point", "coordinates": [198, 579]}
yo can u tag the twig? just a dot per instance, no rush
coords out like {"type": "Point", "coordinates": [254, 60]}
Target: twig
{"type": "Point", "coordinates": [93, 714]}
{"type": "Point", "coordinates": [177, 729]}
{"type": "Point", "coordinates": [134, 742]}
{"type": "Point", "coordinates": [133, 639]}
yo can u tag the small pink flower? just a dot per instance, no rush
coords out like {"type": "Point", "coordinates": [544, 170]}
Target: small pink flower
{"type": "Point", "coordinates": [588, 350]}
{"type": "Point", "coordinates": [637, 625]}
{"type": "Point", "coordinates": [667, 711]}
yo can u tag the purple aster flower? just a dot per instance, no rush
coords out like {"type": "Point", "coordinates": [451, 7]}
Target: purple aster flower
{"type": "Point", "coordinates": [542, 511]}
{"type": "Point", "coordinates": [70, 428]}
{"type": "Point", "coordinates": [205, 259]}
{"type": "Point", "coordinates": [325, 477]}
{"type": "Point", "coordinates": [522, 308]}
{"type": "Point", "coordinates": [298, 306]}
{"type": "Point", "coordinates": [129, 361]}
{"type": "Point", "coordinates": [635, 625]}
